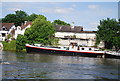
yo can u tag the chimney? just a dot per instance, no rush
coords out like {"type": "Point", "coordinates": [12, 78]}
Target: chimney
{"type": "Point", "coordinates": [25, 23]}
{"type": "Point", "coordinates": [72, 25]}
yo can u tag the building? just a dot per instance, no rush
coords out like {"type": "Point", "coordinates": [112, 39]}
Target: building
{"type": "Point", "coordinates": [75, 34]}
{"type": "Point", "coordinates": [9, 28]}
{"type": "Point", "coordinates": [5, 29]}
{"type": "Point", "coordinates": [21, 29]}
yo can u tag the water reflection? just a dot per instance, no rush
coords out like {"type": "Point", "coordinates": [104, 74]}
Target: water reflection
{"type": "Point", "coordinates": [39, 66]}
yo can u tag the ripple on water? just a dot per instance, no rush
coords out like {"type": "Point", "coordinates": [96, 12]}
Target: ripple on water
{"type": "Point", "coordinates": [58, 67]}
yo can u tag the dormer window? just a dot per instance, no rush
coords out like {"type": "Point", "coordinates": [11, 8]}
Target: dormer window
{"type": "Point", "coordinates": [19, 28]}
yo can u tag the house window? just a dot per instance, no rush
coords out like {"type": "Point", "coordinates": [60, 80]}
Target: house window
{"type": "Point", "coordinates": [3, 34]}
{"type": "Point", "coordinates": [4, 28]}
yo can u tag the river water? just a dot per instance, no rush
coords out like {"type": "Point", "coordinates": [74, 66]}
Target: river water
{"type": "Point", "coordinates": [41, 66]}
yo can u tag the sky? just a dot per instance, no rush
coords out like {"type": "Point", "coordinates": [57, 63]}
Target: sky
{"type": "Point", "coordinates": [86, 14]}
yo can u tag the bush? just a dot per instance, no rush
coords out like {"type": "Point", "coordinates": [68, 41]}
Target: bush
{"type": "Point", "coordinates": [9, 46]}
{"type": "Point", "coordinates": [20, 42]}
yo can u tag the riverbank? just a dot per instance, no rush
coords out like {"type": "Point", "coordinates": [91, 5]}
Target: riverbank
{"type": "Point", "coordinates": [10, 46]}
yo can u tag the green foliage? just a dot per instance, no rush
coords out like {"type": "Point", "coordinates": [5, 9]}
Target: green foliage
{"type": "Point", "coordinates": [9, 36]}
{"type": "Point", "coordinates": [109, 31]}
{"type": "Point", "coordinates": [59, 22]}
{"type": "Point", "coordinates": [21, 16]}
{"type": "Point", "coordinates": [41, 31]}
{"type": "Point", "coordinates": [18, 18]}
{"type": "Point", "coordinates": [33, 16]}
{"type": "Point", "coordinates": [20, 42]}
{"type": "Point", "coordinates": [9, 46]}
{"type": "Point", "coordinates": [10, 18]}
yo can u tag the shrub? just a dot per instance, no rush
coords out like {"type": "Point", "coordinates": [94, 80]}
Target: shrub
{"type": "Point", "coordinates": [10, 46]}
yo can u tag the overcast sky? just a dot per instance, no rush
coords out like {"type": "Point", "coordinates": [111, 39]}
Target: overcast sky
{"type": "Point", "coordinates": [86, 14]}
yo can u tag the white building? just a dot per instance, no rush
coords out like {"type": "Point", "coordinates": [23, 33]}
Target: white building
{"type": "Point", "coordinates": [75, 34]}
{"type": "Point", "coordinates": [21, 29]}
{"type": "Point", "coordinates": [5, 29]}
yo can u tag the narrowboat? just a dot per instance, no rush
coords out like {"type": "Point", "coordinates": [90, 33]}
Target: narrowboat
{"type": "Point", "coordinates": [112, 54]}
{"type": "Point", "coordinates": [71, 50]}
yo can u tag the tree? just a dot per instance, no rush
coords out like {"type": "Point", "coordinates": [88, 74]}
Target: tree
{"type": "Point", "coordinates": [41, 31]}
{"type": "Point", "coordinates": [109, 32]}
{"type": "Point", "coordinates": [21, 16]}
{"type": "Point", "coordinates": [59, 22]}
{"type": "Point", "coordinates": [10, 18]}
{"type": "Point", "coordinates": [18, 18]}
{"type": "Point", "coordinates": [20, 42]}
{"type": "Point", "coordinates": [33, 16]}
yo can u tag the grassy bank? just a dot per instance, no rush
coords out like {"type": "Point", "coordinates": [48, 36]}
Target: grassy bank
{"type": "Point", "coordinates": [9, 46]}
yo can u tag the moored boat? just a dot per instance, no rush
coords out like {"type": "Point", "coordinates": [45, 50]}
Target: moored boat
{"type": "Point", "coordinates": [112, 54]}
{"type": "Point", "coordinates": [76, 50]}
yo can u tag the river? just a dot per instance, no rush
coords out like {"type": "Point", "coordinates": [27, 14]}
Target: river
{"type": "Point", "coordinates": [41, 66]}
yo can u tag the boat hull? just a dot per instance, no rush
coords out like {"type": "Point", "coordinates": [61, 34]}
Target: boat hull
{"type": "Point", "coordinates": [60, 52]}
{"type": "Point", "coordinates": [112, 56]}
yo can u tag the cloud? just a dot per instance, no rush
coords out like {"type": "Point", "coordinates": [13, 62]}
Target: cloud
{"type": "Point", "coordinates": [14, 9]}
{"type": "Point", "coordinates": [93, 7]}
{"type": "Point", "coordinates": [57, 10]}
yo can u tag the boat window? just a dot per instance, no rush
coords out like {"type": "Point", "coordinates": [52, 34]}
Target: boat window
{"type": "Point", "coordinates": [82, 48]}
{"type": "Point", "coordinates": [90, 49]}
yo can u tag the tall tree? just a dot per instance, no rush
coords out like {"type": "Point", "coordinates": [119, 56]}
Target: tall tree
{"type": "Point", "coordinates": [21, 16]}
{"type": "Point", "coordinates": [59, 22]}
{"type": "Point", "coordinates": [18, 18]}
{"type": "Point", "coordinates": [109, 32]}
{"type": "Point", "coordinates": [41, 31]}
{"type": "Point", "coordinates": [33, 16]}
{"type": "Point", "coordinates": [10, 18]}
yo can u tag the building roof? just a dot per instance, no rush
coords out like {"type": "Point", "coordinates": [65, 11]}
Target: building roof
{"type": "Point", "coordinates": [26, 24]}
{"type": "Point", "coordinates": [59, 28]}
{"type": "Point", "coordinates": [6, 25]}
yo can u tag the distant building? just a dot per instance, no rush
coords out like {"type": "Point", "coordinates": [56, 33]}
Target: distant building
{"type": "Point", "coordinates": [5, 29]}
{"type": "Point", "coordinates": [75, 34]}
{"type": "Point", "coordinates": [21, 29]}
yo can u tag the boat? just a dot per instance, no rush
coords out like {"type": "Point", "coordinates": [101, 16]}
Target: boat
{"type": "Point", "coordinates": [112, 54]}
{"type": "Point", "coordinates": [71, 50]}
